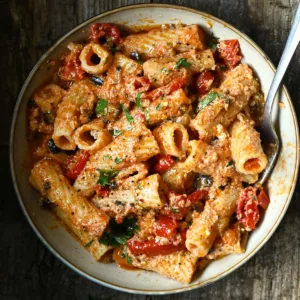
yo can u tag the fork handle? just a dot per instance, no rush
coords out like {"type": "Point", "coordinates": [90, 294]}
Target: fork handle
{"type": "Point", "coordinates": [288, 52]}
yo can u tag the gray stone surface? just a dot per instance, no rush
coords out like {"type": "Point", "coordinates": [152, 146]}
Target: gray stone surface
{"type": "Point", "coordinates": [27, 269]}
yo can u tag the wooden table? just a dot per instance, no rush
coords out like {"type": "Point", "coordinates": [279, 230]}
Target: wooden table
{"type": "Point", "coordinates": [27, 269]}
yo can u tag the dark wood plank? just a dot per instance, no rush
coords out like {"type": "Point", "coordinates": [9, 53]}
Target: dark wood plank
{"type": "Point", "coordinates": [27, 269]}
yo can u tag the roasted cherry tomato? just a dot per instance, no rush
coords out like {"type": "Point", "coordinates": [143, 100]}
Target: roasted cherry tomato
{"type": "Point", "coordinates": [152, 248]}
{"type": "Point", "coordinates": [163, 163]}
{"type": "Point", "coordinates": [107, 30]}
{"type": "Point", "coordinates": [204, 81]}
{"type": "Point", "coordinates": [71, 69]}
{"type": "Point", "coordinates": [102, 192]}
{"type": "Point", "coordinates": [165, 226]}
{"type": "Point", "coordinates": [75, 164]}
{"type": "Point", "coordinates": [247, 210]}
{"type": "Point", "coordinates": [263, 199]}
{"type": "Point", "coordinates": [229, 51]}
{"type": "Point", "coordinates": [179, 204]}
{"type": "Point", "coordinates": [171, 87]}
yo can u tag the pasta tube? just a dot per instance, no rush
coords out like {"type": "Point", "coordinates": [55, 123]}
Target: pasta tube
{"type": "Point", "coordinates": [90, 243]}
{"type": "Point", "coordinates": [150, 193]}
{"type": "Point", "coordinates": [159, 43]}
{"type": "Point", "coordinates": [92, 136]}
{"type": "Point", "coordinates": [246, 148]}
{"type": "Point", "coordinates": [95, 59]}
{"type": "Point", "coordinates": [74, 110]}
{"type": "Point", "coordinates": [179, 265]}
{"type": "Point", "coordinates": [133, 146]}
{"type": "Point", "coordinates": [161, 71]}
{"type": "Point", "coordinates": [47, 177]}
{"type": "Point", "coordinates": [222, 105]}
{"type": "Point", "coordinates": [211, 222]}
{"type": "Point", "coordinates": [172, 139]}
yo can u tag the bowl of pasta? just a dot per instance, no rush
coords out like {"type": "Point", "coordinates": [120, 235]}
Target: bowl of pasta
{"type": "Point", "coordinates": [140, 159]}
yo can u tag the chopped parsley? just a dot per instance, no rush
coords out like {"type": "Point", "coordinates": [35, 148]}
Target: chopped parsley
{"type": "Point", "coordinates": [175, 210]}
{"type": "Point", "coordinates": [147, 116]}
{"type": "Point", "coordinates": [138, 100]}
{"type": "Point", "coordinates": [116, 132]}
{"type": "Point", "coordinates": [118, 160]}
{"type": "Point", "coordinates": [158, 107]}
{"type": "Point", "coordinates": [182, 62]}
{"type": "Point", "coordinates": [230, 163]}
{"type": "Point", "coordinates": [128, 258]}
{"type": "Point", "coordinates": [46, 186]}
{"type": "Point", "coordinates": [106, 176]}
{"type": "Point", "coordinates": [127, 114]}
{"type": "Point", "coordinates": [89, 243]}
{"type": "Point", "coordinates": [101, 106]}
{"type": "Point", "coordinates": [165, 70]}
{"type": "Point", "coordinates": [207, 100]}
{"type": "Point", "coordinates": [213, 42]}
{"type": "Point", "coordinates": [106, 157]}
{"type": "Point", "coordinates": [119, 233]}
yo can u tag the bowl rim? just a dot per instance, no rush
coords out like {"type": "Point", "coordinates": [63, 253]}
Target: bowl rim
{"type": "Point", "coordinates": [60, 256]}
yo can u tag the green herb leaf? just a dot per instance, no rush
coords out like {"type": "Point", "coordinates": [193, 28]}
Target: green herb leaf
{"type": "Point", "coordinates": [129, 259]}
{"type": "Point", "coordinates": [158, 107]}
{"type": "Point", "coordinates": [119, 233]}
{"type": "Point", "coordinates": [106, 157]}
{"type": "Point", "coordinates": [182, 62]}
{"type": "Point", "coordinates": [116, 132]}
{"type": "Point", "coordinates": [101, 106]}
{"type": "Point", "coordinates": [138, 100]}
{"type": "Point", "coordinates": [175, 210]}
{"type": "Point", "coordinates": [213, 42]}
{"type": "Point", "coordinates": [106, 176]}
{"type": "Point", "coordinates": [207, 100]}
{"type": "Point", "coordinates": [222, 187]}
{"type": "Point", "coordinates": [190, 223]}
{"type": "Point", "coordinates": [46, 186]}
{"type": "Point", "coordinates": [118, 160]}
{"type": "Point", "coordinates": [165, 70]}
{"type": "Point", "coordinates": [123, 255]}
{"type": "Point", "coordinates": [127, 114]}
{"type": "Point", "coordinates": [147, 116]}
{"type": "Point", "coordinates": [89, 243]}
{"type": "Point", "coordinates": [230, 163]}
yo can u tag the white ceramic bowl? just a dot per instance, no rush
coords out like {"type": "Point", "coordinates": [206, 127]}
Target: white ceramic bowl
{"type": "Point", "coordinates": [281, 184]}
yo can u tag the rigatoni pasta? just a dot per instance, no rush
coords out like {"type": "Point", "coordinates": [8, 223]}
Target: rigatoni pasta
{"type": "Point", "coordinates": [143, 144]}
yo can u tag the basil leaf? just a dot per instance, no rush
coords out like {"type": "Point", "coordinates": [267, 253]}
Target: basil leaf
{"type": "Point", "coordinates": [158, 107]}
{"type": "Point", "coordinates": [48, 117]}
{"type": "Point", "coordinates": [165, 70]}
{"type": "Point", "coordinates": [129, 259]}
{"type": "Point", "coordinates": [118, 160]}
{"type": "Point", "coordinates": [119, 234]}
{"type": "Point", "coordinates": [127, 114]}
{"type": "Point", "coordinates": [116, 132]}
{"type": "Point", "coordinates": [138, 100]}
{"type": "Point", "coordinates": [89, 243]}
{"type": "Point", "coordinates": [106, 176]}
{"type": "Point", "coordinates": [182, 62]}
{"type": "Point", "coordinates": [230, 163]}
{"type": "Point", "coordinates": [101, 106]}
{"type": "Point", "coordinates": [213, 42]}
{"type": "Point", "coordinates": [207, 100]}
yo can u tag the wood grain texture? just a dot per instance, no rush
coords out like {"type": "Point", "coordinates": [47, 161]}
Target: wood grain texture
{"type": "Point", "coordinates": [27, 269]}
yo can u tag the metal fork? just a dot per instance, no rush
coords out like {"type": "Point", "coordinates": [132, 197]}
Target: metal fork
{"type": "Point", "coordinates": [266, 128]}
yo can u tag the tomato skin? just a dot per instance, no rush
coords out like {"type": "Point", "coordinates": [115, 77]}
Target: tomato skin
{"type": "Point", "coordinates": [71, 70]}
{"type": "Point", "coordinates": [102, 192]}
{"type": "Point", "coordinates": [179, 204]}
{"type": "Point", "coordinates": [165, 226]}
{"type": "Point", "coordinates": [263, 199]}
{"type": "Point", "coordinates": [171, 87]}
{"type": "Point", "coordinates": [247, 210]}
{"type": "Point", "coordinates": [75, 164]}
{"type": "Point", "coordinates": [204, 82]}
{"type": "Point", "coordinates": [152, 248]}
{"type": "Point", "coordinates": [99, 30]}
{"type": "Point", "coordinates": [229, 51]}
{"type": "Point", "coordinates": [163, 163]}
